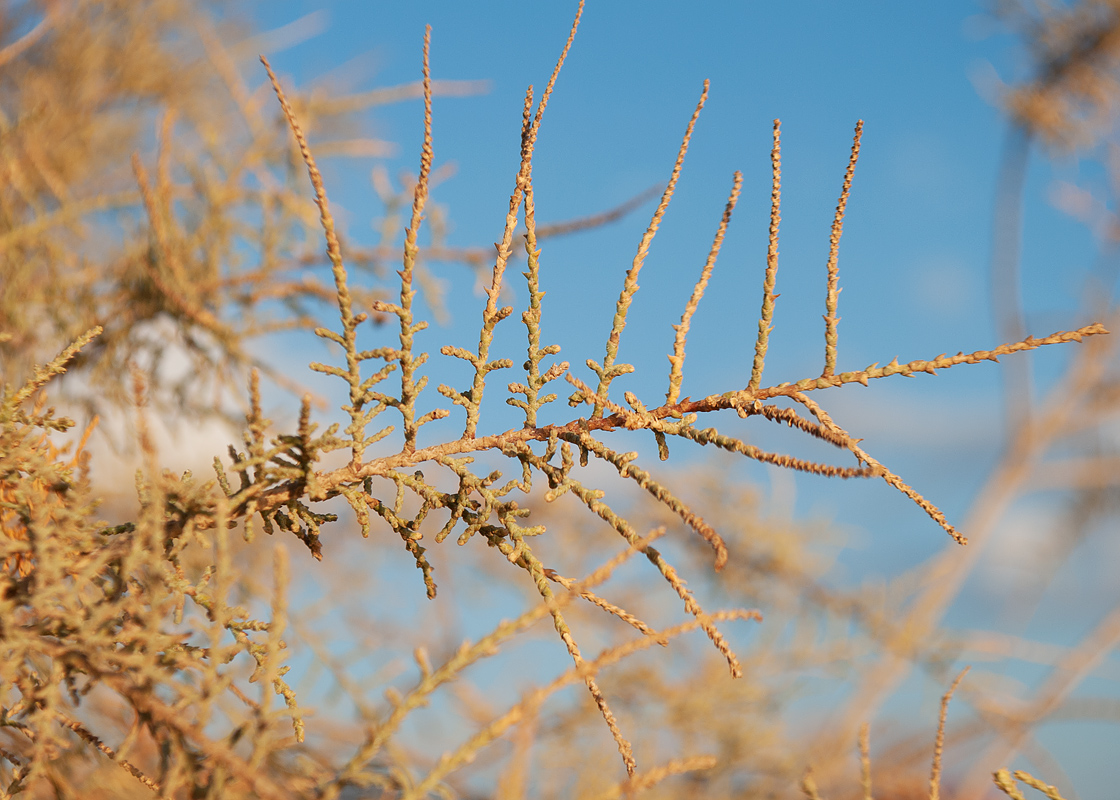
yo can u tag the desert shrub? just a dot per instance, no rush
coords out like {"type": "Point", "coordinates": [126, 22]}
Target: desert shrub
{"type": "Point", "coordinates": [129, 649]}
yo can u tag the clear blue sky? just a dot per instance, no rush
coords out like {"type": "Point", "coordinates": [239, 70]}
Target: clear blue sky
{"type": "Point", "coordinates": [915, 251]}
{"type": "Point", "coordinates": [913, 262]}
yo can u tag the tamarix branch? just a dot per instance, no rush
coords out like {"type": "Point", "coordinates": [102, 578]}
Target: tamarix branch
{"type": "Point", "coordinates": [147, 617]}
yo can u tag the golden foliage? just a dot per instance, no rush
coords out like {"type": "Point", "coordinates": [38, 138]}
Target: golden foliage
{"type": "Point", "coordinates": [126, 652]}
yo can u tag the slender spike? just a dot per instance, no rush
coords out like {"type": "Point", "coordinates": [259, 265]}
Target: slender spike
{"type": "Point", "coordinates": [809, 786]}
{"type": "Point", "coordinates": [532, 316]}
{"type": "Point", "coordinates": [1003, 781]}
{"type": "Point", "coordinates": [933, 511]}
{"type": "Point", "coordinates": [555, 74]}
{"type": "Point", "coordinates": [676, 372]}
{"type": "Point", "coordinates": [630, 286]}
{"type": "Point", "coordinates": [533, 565]}
{"type": "Point", "coordinates": [409, 387]}
{"type": "Point", "coordinates": [492, 315]}
{"type": "Point", "coordinates": [768, 296]}
{"type": "Point", "coordinates": [939, 745]}
{"type": "Point", "coordinates": [830, 318]}
{"type": "Point", "coordinates": [1051, 792]}
{"type": "Point", "coordinates": [865, 760]}
{"type": "Point", "coordinates": [334, 251]}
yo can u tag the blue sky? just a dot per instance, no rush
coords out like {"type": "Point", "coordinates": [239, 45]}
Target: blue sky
{"type": "Point", "coordinates": [914, 258]}
{"type": "Point", "coordinates": [913, 261]}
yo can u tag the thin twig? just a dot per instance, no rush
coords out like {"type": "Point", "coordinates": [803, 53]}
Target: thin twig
{"type": "Point", "coordinates": [409, 386]}
{"type": "Point", "coordinates": [1002, 779]}
{"type": "Point", "coordinates": [830, 318]}
{"type": "Point", "coordinates": [330, 481]}
{"type": "Point", "coordinates": [492, 315]}
{"type": "Point", "coordinates": [467, 654]}
{"type": "Point", "coordinates": [676, 360]}
{"type": "Point", "coordinates": [865, 760]}
{"type": "Point", "coordinates": [466, 752]}
{"type": "Point", "coordinates": [933, 511]}
{"type": "Point", "coordinates": [768, 296]}
{"type": "Point", "coordinates": [609, 371]}
{"type": "Point", "coordinates": [939, 745]}
{"type": "Point", "coordinates": [386, 95]}
{"type": "Point", "coordinates": [570, 226]}
{"type": "Point", "coordinates": [127, 766]}
{"type": "Point", "coordinates": [334, 250]}
{"type": "Point", "coordinates": [809, 786]}
{"type": "Point", "coordinates": [1051, 792]}
{"type": "Point", "coordinates": [17, 48]}
{"type": "Point", "coordinates": [645, 780]}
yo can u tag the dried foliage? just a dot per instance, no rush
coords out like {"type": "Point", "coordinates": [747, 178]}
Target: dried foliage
{"type": "Point", "coordinates": [213, 242]}
{"type": "Point", "coordinates": [127, 650]}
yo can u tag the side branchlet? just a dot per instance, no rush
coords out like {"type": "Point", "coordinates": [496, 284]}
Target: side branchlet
{"type": "Point", "coordinates": [833, 295]}
{"type": "Point", "coordinates": [609, 370]}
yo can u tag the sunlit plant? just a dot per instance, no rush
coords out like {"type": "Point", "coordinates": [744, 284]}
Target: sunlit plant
{"type": "Point", "coordinates": [92, 611]}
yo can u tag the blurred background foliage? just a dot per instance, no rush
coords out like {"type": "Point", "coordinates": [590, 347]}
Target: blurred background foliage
{"type": "Point", "coordinates": [207, 239]}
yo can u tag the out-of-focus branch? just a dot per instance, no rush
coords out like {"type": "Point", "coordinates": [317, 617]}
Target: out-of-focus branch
{"type": "Point", "coordinates": [20, 45]}
{"type": "Point", "coordinates": [387, 95]}
{"type": "Point", "coordinates": [1005, 277]}
{"type": "Point", "coordinates": [555, 229]}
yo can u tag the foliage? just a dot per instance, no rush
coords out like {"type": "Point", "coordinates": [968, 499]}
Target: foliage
{"type": "Point", "coordinates": [135, 634]}
{"type": "Point", "coordinates": [91, 239]}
